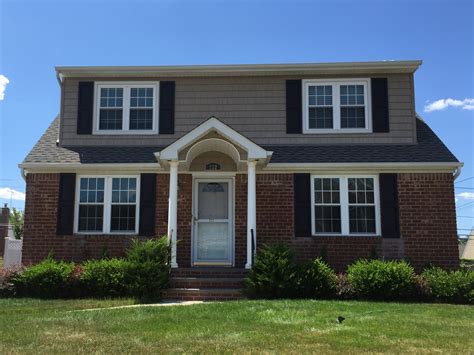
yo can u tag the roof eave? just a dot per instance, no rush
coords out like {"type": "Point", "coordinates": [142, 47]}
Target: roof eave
{"type": "Point", "coordinates": [385, 67]}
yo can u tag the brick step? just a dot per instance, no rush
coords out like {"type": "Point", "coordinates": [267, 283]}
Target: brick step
{"type": "Point", "coordinates": [201, 294]}
{"type": "Point", "coordinates": [209, 272]}
{"type": "Point", "coordinates": [207, 282]}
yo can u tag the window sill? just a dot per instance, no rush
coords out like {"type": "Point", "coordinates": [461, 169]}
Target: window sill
{"type": "Point", "coordinates": [128, 234]}
{"type": "Point", "coordinates": [336, 131]}
{"type": "Point", "coordinates": [121, 133]}
{"type": "Point", "coordinates": [346, 235]}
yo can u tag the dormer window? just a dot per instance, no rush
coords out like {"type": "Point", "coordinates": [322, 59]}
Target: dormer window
{"type": "Point", "coordinates": [336, 106]}
{"type": "Point", "coordinates": [126, 108]}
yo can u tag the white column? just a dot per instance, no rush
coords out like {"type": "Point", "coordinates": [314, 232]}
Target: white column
{"type": "Point", "coordinates": [251, 211]}
{"type": "Point", "coordinates": [173, 211]}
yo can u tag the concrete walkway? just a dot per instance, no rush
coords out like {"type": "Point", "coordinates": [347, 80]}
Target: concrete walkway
{"type": "Point", "coordinates": [161, 304]}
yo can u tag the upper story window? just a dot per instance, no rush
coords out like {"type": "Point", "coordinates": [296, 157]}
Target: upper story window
{"type": "Point", "coordinates": [126, 108]}
{"type": "Point", "coordinates": [336, 106]}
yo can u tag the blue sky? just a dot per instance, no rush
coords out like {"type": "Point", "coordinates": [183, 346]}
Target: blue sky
{"type": "Point", "coordinates": [37, 35]}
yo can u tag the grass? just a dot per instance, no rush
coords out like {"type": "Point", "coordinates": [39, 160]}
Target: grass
{"type": "Point", "coordinates": [34, 326]}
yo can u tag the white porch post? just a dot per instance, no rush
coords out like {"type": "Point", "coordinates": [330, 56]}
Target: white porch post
{"type": "Point", "coordinates": [173, 211]}
{"type": "Point", "coordinates": [251, 211]}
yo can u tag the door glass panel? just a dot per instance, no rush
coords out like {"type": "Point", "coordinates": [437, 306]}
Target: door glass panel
{"type": "Point", "coordinates": [213, 200]}
{"type": "Point", "coordinates": [213, 241]}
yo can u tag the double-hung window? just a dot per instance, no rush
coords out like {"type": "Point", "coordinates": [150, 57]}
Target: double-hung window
{"type": "Point", "coordinates": [345, 205]}
{"type": "Point", "coordinates": [126, 108]}
{"type": "Point", "coordinates": [336, 106]}
{"type": "Point", "coordinates": [107, 204]}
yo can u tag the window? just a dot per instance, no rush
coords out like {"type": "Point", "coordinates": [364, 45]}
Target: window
{"type": "Point", "coordinates": [126, 108]}
{"type": "Point", "coordinates": [107, 204]}
{"type": "Point", "coordinates": [345, 205]}
{"type": "Point", "coordinates": [338, 105]}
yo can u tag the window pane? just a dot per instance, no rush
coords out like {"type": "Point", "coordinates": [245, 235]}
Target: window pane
{"type": "Point", "coordinates": [141, 119]}
{"type": "Point", "coordinates": [91, 218]}
{"type": "Point", "coordinates": [328, 219]}
{"type": "Point", "coordinates": [123, 190]}
{"type": "Point", "coordinates": [327, 210]}
{"type": "Point", "coordinates": [91, 190]}
{"type": "Point", "coordinates": [110, 119]}
{"type": "Point", "coordinates": [362, 219]}
{"type": "Point", "coordinates": [321, 117]}
{"type": "Point", "coordinates": [122, 218]}
{"type": "Point", "coordinates": [320, 95]}
{"type": "Point", "coordinates": [141, 97]}
{"type": "Point", "coordinates": [111, 97]}
{"type": "Point", "coordinates": [352, 117]}
{"type": "Point", "coordinates": [362, 208]}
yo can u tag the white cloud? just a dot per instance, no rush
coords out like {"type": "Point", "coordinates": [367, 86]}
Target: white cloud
{"type": "Point", "coordinates": [3, 85]}
{"type": "Point", "coordinates": [442, 104]}
{"type": "Point", "coordinates": [466, 195]}
{"type": "Point", "coordinates": [7, 194]}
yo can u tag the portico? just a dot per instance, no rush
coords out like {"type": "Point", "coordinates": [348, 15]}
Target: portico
{"type": "Point", "coordinates": [213, 153]}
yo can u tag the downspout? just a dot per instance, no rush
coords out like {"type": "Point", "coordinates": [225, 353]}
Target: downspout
{"type": "Point", "coordinates": [457, 172]}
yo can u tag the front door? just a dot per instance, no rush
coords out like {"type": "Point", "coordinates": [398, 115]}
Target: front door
{"type": "Point", "coordinates": [213, 222]}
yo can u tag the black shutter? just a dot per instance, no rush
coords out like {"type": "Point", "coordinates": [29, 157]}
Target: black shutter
{"type": "Point", "coordinates": [380, 120]}
{"type": "Point", "coordinates": [294, 111]}
{"type": "Point", "coordinates": [302, 204]}
{"type": "Point", "coordinates": [147, 204]}
{"type": "Point", "coordinates": [167, 89]}
{"type": "Point", "coordinates": [85, 107]}
{"type": "Point", "coordinates": [389, 206]}
{"type": "Point", "coordinates": [67, 191]}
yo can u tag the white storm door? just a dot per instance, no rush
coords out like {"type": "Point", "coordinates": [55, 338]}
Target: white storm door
{"type": "Point", "coordinates": [213, 225]}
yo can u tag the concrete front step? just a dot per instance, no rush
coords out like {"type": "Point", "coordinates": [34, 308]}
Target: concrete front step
{"type": "Point", "coordinates": [209, 272]}
{"type": "Point", "coordinates": [201, 294]}
{"type": "Point", "coordinates": [207, 282]}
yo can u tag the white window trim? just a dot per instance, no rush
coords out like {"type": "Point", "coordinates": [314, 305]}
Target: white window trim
{"type": "Point", "coordinates": [107, 205]}
{"type": "Point", "coordinates": [336, 98]}
{"type": "Point", "coordinates": [126, 106]}
{"type": "Point", "coordinates": [344, 203]}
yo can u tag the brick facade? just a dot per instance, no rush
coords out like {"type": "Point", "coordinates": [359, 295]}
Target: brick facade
{"type": "Point", "coordinates": [427, 223]}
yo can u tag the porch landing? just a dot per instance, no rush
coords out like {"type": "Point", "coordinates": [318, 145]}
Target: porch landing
{"type": "Point", "coordinates": [205, 284]}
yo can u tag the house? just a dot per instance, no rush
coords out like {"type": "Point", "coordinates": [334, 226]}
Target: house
{"type": "Point", "coordinates": [328, 158]}
{"type": "Point", "coordinates": [467, 251]}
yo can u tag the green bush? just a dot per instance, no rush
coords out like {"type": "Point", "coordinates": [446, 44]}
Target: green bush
{"type": "Point", "coordinates": [105, 277]}
{"type": "Point", "coordinates": [382, 280]}
{"type": "Point", "coordinates": [274, 274]}
{"type": "Point", "coordinates": [316, 280]}
{"type": "Point", "coordinates": [450, 286]}
{"type": "Point", "coordinates": [149, 268]}
{"type": "Point", "coordinates": [48, 279]}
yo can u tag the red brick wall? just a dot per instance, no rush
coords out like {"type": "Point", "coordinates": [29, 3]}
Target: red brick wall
{"type": "Point", "coordinates": [41, 217]}
{"type": "Point", "coordinates": [427, 221]}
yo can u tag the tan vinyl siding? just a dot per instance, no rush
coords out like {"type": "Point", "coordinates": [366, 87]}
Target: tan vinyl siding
{"type": "Point", "coordinates": [254, 106]}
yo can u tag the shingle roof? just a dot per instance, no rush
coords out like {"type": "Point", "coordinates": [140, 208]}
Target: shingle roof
{"type": "Point", "coordinates": [429, 149]}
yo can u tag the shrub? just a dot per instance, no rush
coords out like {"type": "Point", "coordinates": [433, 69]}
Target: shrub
{"type": "Point", "coordinates": [48, 279]}
{"type": "Point", "coordinates": [274, 274]}
{"type": "Point", "coordinates": [105, 277]}
{"type": "Point", "coordinates": [450, 286]}
{"type": "Point", "coordinates": [7, 288]}
{"type": "Point", "coordinates": [316, 280]}
{"type": "Point", "coordinates": [148, 268]}
{"type": "Point", "coordinates": [383, 280]}
{"type": "Point", "coordinates": [344, 288]}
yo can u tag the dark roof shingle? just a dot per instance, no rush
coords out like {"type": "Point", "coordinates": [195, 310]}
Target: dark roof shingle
{"type": "Point", "coordinates": [429, 149]}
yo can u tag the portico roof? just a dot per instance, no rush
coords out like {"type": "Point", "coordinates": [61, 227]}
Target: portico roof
{"type": "Point", "coordinates": [231, 140]}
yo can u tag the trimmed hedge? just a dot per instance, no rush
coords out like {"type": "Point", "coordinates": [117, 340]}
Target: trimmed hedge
{"type": "Point", "coordinates": [274, 274]}
{"type": "Point", "coordinates": [449, 286]}
{"type": "Point", "coordinates": [143, 274]}
{"type": "Point", "coordinates": [316, 280]}
{"type": "Point", "coordinates": [48, 279]}
{"type": "Point", "coordinates": [105, 278]}
{"type": "Point", "coordinates": [382, 280]}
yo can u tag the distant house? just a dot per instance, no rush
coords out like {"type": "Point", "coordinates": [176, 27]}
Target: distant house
{"type": "Point", "coordinates": [468, 248]}
{"type": "Point", "coordinates": [327, 158]}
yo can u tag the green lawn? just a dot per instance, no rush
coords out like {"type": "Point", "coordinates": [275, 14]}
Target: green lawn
{"type": "Point", "coordinates": [33, 326]}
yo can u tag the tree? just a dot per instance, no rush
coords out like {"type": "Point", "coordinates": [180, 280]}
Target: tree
{"type": "Point", "coordinates": [17, 219]}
